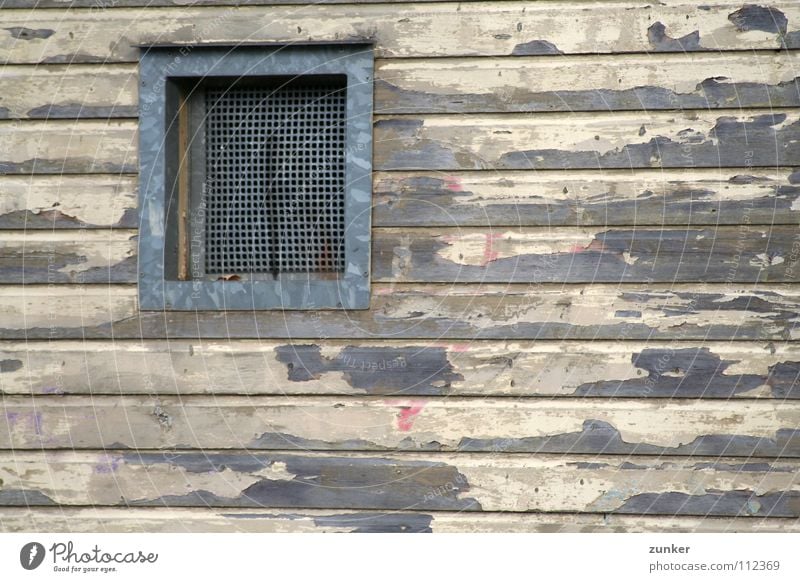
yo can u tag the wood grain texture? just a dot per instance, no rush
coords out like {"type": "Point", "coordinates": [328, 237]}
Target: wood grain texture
{"type": "Point", "coordinates": [453, 482]}
{"type": "Point", "coordinates": [683, 312]}
{"type": "Point", "coordinates": [255, 520]}
{"type": "Point", "coordinates": [561, 141]}
{"type": "Point", "coordinates": [82, 256]}
{"type": "Point", "coordinates": [54, 202]}
{"type": "Point", "coordinates": [743, 254]}
{"type": "Point", "coordinates": [642, 82]}
{"type": "Point", "coordinates": [588, 83]}
{"type": "Point", "coordinates": [68, 91]}
{"type": "Point", "coordinates": [403, 368]}
{"type": "Point", "coordinates": [487, 199]}
{"type": "Point", "coordinates": [70, 147]}
{"type": "Point", "coordinates": [587, 198]}
{"type": "Point", "coordinates": [426, 29]}
{"type": "Point", "coordinates": [663, 254]}
{"type": "Point", "coordinates": [567, 426]}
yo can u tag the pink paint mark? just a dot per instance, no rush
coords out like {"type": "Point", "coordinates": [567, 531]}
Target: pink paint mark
{"type": "Point", "coordinates": [408, 414]}
{"type": "Point", "coordinates": [459, 347]}
{"type": "Point", "coordinates": [489, 252]}
{"type": "Point", "coordinates": [453, 184]}
{"type": "Point", "coordinates": [52, 390]}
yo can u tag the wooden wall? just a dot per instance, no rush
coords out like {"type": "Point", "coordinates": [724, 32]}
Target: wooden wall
{"type": "Point", "coordinates": [585, 301]}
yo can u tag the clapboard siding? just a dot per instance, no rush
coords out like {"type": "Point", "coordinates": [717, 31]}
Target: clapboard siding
{"type": "Point", "coordinates": [422, 30]}
{"type": "Point", "coordinates": [465, 85]}
{"type": "Point", "coordinates": [683, 139]}
{"type": "Point", "coordinates": [289, 520]}
{"type": "Point", "coordinates": [583, 426]}
{"type": "Point", "coordinates": [586, 198]}
{"type": "Point", "coordinates": [54, 202]}
{"type": "Point", "coordinates": [403, 368]}
{"type": "Point", "coordinates": [68, 147]}
{"type": "Point", "coordinates": [489, 199]}
{"type": "Point", "coordinates": [560, 141]}
{"type": "Point", "coordinates": [585, 282]}
{"type": "Point", "coordinates": [718, 486]}
{"type": "Point", "coordinates": [645, 82]}
{"type": "Point", "coordinates": [682, 312]}
{"type": "Point", "coordinates": [542, 255]}
{"type": "Point", "coordinates": [723, 254]}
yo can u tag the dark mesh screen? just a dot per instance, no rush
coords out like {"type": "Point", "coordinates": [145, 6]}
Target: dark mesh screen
{"type": "Point", "coordinates": [275, 177]}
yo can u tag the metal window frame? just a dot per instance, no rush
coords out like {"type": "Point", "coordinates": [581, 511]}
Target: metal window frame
{"type": "Point", "coordinates": [163, 284]}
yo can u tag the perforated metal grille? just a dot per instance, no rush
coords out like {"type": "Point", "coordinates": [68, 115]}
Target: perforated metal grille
{"type": "Point", "coordinates": [275, 177]}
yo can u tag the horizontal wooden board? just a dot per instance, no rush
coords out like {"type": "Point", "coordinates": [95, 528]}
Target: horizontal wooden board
{"type": "Point", "coordinates": [53, 202]}
{"type": "Point", "coordinates": [559, 141]}
{"type": "Point", "coordinates": [587, 198]}
{"type": "Point", "coordinates": [71, 256]}
{"type": "Point", "coordinates": [681, 312]}
{"type": "Point", "coordinates": [663, 254]}
{"type": "Point", "coordinates": [403, 368]}
{"type": "Point", "coordinates": [588, 83]}
{"type": "Point", "coordinates": [542, 255]}
{"type": "Point", "coordinates": [453, 482]}
{"type": "Point", "coordinates": [567, 426]}
{"type": "Point", "coordinates": [100, 5]}
{"type": "Point", "coordinates": [62, 146]}
{"type": "Point", "coordinates": [691, 197]}
{"type": "Point", "coordinates": [562, 141]}
{"type": "Point", "coordinates": [68, 91]}
{"type": "Point", "coordinates": [427, 29]}
{"type": "Point", "coordinates": [255, 520]}
{"type": "Point", "coordinates": [465, 85]}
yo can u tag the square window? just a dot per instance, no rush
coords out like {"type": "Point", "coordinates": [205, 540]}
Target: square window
{"type": "Point", "coordinates": [255, 177]}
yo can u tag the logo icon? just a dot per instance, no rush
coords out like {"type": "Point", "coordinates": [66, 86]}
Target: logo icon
{"type": "Point", "coordinates": [31, 555]}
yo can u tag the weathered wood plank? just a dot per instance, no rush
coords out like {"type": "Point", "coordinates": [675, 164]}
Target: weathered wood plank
{"type": "Point", "coordinates": [61, 146]}
{"type": "Point", "coordinates": [72, 256]}
{"type": "Point", "coordinates": [52, 202]}
{"type": "Point", "coordinates": [559, 255]}
{"type": "Point", "coordinates": [210, 520]}
{"type": "Point", "coordinates": [588, 83]}
{"type": "Point", "coordinates": [662, 254]}
{"type": "Point", "coordinates": [100, 5]}
{"type": "Point", "coordinates": [403, 368]}
{"type": "Point", "coordinates": [465, 85]}
{"type": "Point", "coordinates": [569, 426]}
{"type": "Point", "coordinates": [74, 91]}
{"type": "Point", "coordinates": [687, 139]}
{"type": "Point", "coordinates": [428, 29]}
{"type": "Point", "coordinates": [613, 312]}
{"type": "Point", "coordinates": [625, 140]}
{"type": "Point", "coordinates": [459, 482]}
{"type": "Point", "coordinates": [510, 198]}
{"type": "Point", "coordinates": [587, 198]}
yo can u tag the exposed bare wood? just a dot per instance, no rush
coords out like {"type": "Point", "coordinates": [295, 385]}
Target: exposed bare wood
{"type": "Point", "coordinates": [614, 312]}
{"type": "Point", "coordinates": [208, 520]}
{"type": "Point", "coordinates": [718, 486]}
{"type": "Point", "coordinates": [71, 147]}
{"type": "Point", "coordinates": [568, 83]}
{"type": "Point", "coordinates": [403, 368]}
{"type": "Point", "coordinates": [587, 198]}
{"type": "Point", "coordinates": [568, 426]}
{"type": "Point", "coordinates": [588, 83]}
{"type": "Point", "coordinates": [426, 29]}
{"type": "Point", "coordinates": [70, 256]}
{"type": "Point", "coordinates": [662, 254]}
{"type": "Point", "coordinates": [562, 141]}
{"type": "Point", "coordinates": [68, 91]}
{"type": "Point", "coordinates": [52, 202]}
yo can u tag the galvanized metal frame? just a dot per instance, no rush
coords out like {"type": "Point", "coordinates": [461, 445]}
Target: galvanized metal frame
{"type": "Point", "coordinates": [162, 70]}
